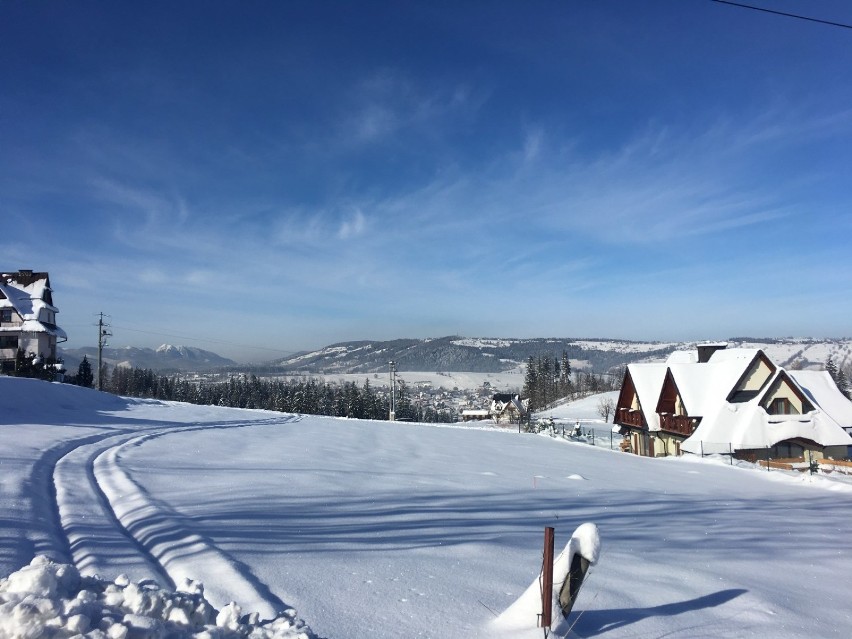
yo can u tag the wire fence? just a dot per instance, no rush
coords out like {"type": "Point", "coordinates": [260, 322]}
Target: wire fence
{"type": "Point", "coordinates": [592, 432]}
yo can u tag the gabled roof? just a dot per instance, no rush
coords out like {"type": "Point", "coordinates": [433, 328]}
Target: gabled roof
{"type": "Point", "coordinates": [700, 385]}
{"type": "Point", "coordinates": [821, 389]}
{"type": "Point", "coordinates": [647, 380]}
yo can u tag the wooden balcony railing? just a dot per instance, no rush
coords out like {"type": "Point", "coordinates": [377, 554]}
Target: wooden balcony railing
{"type": "Point", "coordinates": [629, 417]}
{"type": "Point", "coordinates": [679, 424]}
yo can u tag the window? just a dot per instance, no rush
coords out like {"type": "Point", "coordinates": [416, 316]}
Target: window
{"type": "Point", "coordinates": [8, 342]}
{"type": "Point", "coordinates": [5, 315]}
{"type": "Point", "coordinates": [782, 406]}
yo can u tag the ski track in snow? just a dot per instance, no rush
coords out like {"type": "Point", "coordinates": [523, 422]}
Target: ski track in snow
{"type": "Point", "coordinates": [104, 520]}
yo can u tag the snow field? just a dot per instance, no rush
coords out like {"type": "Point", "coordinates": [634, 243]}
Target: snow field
{"type": "Point", "coordinates": [375, 530]}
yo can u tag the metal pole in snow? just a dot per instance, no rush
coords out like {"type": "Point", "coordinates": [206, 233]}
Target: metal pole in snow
{"type": "Point", "coordinates": [392, 416]}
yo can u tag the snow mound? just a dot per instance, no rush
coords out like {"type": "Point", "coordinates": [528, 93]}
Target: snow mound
{"type": "Point", "coordinates": [47, 599]}
{"type": "Point", "coordinates": [520, 619]}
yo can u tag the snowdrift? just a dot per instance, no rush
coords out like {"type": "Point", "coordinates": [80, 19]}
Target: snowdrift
{"type": "Point", "coordinates": [48, 599]}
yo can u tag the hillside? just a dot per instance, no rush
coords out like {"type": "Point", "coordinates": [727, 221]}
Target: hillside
{"type": "Point", "coordinates": [461, 354]}
{"type": "Point", "coordinates": [489, 355]}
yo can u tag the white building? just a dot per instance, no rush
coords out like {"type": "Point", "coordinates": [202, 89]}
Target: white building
{"type": "Point", "coordinates": [27, 317]}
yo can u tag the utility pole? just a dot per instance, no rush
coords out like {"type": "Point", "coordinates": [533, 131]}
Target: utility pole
{"type": "Point", "coordinates": [392, 365]}
{"type": "Point", "coordinates": [103, 333]}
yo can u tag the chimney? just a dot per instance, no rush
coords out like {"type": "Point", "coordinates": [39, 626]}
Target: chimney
{"type": "Point", "coordinates": [705, 351]}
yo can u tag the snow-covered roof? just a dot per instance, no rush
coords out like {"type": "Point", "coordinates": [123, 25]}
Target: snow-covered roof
{"type": "Point", "coordinates": [647, 381]}
{"type": "Point", "coordinates": [702, 385]}
{"type": "Point", "coordinates": [747, 425]}
{"type": "Point", "coordinates": [822, 391]}
{"type": "Point", "coordinates": [682, 357]}
{"type": "Point", "coordinates": [28, 293]}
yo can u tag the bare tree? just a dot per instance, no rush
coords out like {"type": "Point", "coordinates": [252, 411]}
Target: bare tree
{"type": "Point", "coordinates": [606, 407]}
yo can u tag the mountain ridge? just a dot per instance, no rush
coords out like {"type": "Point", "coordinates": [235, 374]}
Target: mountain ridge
{"type": "Point", "coordinates": [458, 354]}
{"type": "Point", "coordinates": [165, 358]}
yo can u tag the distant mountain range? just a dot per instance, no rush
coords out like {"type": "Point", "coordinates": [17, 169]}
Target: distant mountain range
{"type": "Point", "coordinates": [164, 359]}
{"type": "Point", "coordinates": [489, 355]}
{"type": "Point", "coordinates": [458, 354]}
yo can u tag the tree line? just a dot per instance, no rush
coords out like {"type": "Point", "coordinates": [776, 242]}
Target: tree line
{"type": "Point", "coordinates": [549, 378]}
{"type": "Point", "coordinates": [304, 395]}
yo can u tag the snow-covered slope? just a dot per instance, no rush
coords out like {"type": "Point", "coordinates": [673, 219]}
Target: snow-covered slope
{"type": "Point", "coordinates": [376, 530]}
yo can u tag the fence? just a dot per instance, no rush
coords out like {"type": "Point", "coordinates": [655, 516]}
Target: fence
{"type": "Point", "coordinates": [718, 448]}
{"type": "Point", "coordinates": [769, 458]}
{"type": "Point", "coordinates": [592, 432]}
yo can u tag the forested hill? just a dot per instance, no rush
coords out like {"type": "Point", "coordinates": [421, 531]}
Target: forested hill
{"type": "Point", "coordinates": [454, 354]}
{"type": "Point", "coordinates": [490, 355]}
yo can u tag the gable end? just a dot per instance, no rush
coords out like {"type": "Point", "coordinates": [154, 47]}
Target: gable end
{"type": "Point", "coordinates": [753, 380]}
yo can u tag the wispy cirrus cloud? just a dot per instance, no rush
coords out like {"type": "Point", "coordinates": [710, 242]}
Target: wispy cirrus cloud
{"type": "Point", "coordinates": [388, 102]}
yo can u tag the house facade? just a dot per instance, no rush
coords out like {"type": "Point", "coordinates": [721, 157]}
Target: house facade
{"type": "Point", "coordinates": [27, 317]}
{"type": "Point", "coordinates": [509, 409]}
{"type": "Point", "coordinates": [731, 401]}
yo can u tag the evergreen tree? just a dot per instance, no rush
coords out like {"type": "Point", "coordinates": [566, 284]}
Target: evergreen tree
{"type": "Point", "coordinates": [404, 409]}
{"type": "Point", "coordinates": [842, 382]}
{"type": "Point", "coordinates": [565, 379]}
{"type": "Point", "coordinates": [831, 368]}
{"type": "Point", "coordinates": [531, 382]}
{"type": "Point", "coordinates": [85, 376]}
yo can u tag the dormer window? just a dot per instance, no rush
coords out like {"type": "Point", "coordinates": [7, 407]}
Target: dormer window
{"type": "Point", "coordinates": [781, 406]}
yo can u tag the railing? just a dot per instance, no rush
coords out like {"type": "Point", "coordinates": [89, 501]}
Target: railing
{"type": "Point", "coordinates": [629, 417]}
{"type": "Point", "coordinates": [679, 424]}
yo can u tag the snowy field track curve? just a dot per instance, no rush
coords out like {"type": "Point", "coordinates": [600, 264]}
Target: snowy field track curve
{"type": "Point", "coordinates": [168, 538]}
{"type": "Point", "coordinates": [96, 539]}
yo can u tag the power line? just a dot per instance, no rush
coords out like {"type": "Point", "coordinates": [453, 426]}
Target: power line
{"type": "Point", "coordinates": [784, 13]}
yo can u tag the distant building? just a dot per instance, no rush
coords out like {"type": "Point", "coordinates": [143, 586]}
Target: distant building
{"type": "Point", "coordinates": [734, 401]}
{"type": "Point", "coordinates": [27, 318]}
{"type": "Point", "coordinates": [509, 409]}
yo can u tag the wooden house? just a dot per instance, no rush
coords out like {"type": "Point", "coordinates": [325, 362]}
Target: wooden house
{"type": "Point", "coordinates": [731, 401]}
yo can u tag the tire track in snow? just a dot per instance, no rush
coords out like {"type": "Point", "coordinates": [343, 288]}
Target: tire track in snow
{"type": "Point", "coordinates": [168, 538]}
{"type": "Point", "coordinates": [44, 531]}
{"type": "Point", "coordinates": [96, 539]}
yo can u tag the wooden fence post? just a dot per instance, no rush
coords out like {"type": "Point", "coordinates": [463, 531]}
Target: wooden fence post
{"type": "Point", "coordinates": [547, 580]}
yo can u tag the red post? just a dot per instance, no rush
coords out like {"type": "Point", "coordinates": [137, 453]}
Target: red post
{"type": "Point", "coordinates": [547, 580]}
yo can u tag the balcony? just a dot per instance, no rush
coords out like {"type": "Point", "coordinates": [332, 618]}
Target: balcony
{"type": "Point", "coordinates": [629, 417]}
{"type": "Point", "coordinates": [678, 424]}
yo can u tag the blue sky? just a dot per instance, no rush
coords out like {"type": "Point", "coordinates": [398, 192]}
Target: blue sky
{"type": "Point", "coordinates": [284, 175]}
